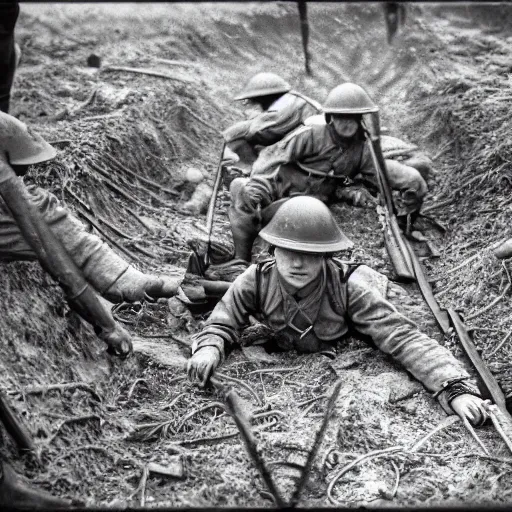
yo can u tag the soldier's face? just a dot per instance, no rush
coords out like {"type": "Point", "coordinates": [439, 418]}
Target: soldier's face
{"type": "Point", "coordinates": [345, 126]}
{"type": "Point", "coordinates": [298, 269]}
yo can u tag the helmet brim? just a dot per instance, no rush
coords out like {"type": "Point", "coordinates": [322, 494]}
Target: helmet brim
{"type": "Point", "coordinates": [262, 92]}
{"type": "Point", "coordinates": [366, 110]}
{"type": "Point", "coordinates": [46, 153]}
{"type": "Point", "coordinates": [342, 244]}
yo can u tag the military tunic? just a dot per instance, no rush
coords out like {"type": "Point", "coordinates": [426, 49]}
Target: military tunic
{"type": "Point", "coordinates": [318, 318]}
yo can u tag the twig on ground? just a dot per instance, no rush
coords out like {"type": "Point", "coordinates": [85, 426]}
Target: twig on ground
{"type": "Point", "coordinates": [198, 411]}
{"type": "Point", "coordinates": [397, 481]}
{"type": "Point", "coordinates": [474, 435]}
{"type": "Point", "coordinates": [99, 217]}
{"type": "Point", "coordinates": [443, 150]}
{"type": "Point", "coordinates": [311, 400]}
{"type": "Point", "coordinates": [435, 206]}
{"type": "Point", "coordinates": [274, 370]}
{"type": "Point", "coordinates": [500, 344]}
{"type": "Point", "coordinates": [491, 305]}
{"type": "Point", "coordinates": [235, 409]}
{"type": "Point", "coordinates": [206, 440]}
{"type": "Point", "coordinates": [242, 384]}
{"type": "Point", "coordinates": [76, 419]}
{"type": "Point", "coordinates": [102, 116]}
{"type": "Point", "coordinates": [132, 387]}
{"type": "Point", "coordinates": [371, 455]}
{"type": "Point", "coordinates": [141, 221]}
{"type": "Point", "coordinates": [177, 62]}
{"type": "Point", "coordinates": [268, 414]}
{"type": "Point", "coordinates": [450, 420]}
{"type": "Point", "coordinates": [41, 390]}
{"type": "Point", "coordinates": [196, 117]}
{"type": "Point", "coordinates": [105, 235]}
{"type": "Point", "coordinates": [147, 72]}
{"type": "Point", "coordinates": [318, 440]}
{"type": "Point", "coordinates": [141, 178]}
{"type": "Point", "coordinates": [145, 251]}
{"type": "Point", "coordinates": [173, 402]}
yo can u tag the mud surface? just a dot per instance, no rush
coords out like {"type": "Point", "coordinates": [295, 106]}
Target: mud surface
{"type": "Point", "coordinates": [97, 439]}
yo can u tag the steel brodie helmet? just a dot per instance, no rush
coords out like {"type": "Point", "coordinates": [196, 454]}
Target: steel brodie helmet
{"type": "Point", "coordinates": [22, 146]}
{"type": "Point", "coordinates": [264, 84]}
{"type": "Point", "coordinates": [349, 98]}
{"type": "Point", "coordinates": [305, 224]}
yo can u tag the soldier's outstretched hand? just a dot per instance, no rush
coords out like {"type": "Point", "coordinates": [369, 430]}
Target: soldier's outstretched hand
{"type": "Point", "coordinates": [469, 407]}
{"type": "Point", "coordinates": [202, 364]}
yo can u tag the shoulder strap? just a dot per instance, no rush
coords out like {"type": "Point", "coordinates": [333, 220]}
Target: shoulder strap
{"type": "Point", "coordinates": [311, 101]}
{"type": "Point", "coordinates": [259, 271]}
{"type": "Point", "coordinates": [344, 276]}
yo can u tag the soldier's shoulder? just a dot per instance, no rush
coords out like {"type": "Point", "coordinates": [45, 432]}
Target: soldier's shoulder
{"type": "Point", "coordinates": [299, 131]}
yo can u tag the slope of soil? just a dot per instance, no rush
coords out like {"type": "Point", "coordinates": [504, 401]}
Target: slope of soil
{"type": "Point", "coordinates": [110, 124]}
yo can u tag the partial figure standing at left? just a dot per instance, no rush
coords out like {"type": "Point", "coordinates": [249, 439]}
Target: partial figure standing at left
{"type": "Point", "coordinates": [10, 52]}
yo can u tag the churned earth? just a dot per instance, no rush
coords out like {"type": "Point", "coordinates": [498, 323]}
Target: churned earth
{"type": "Point", "coordinates": [126, 145]}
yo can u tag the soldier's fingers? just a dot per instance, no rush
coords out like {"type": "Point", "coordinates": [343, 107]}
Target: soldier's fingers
{"type": "Point", "coordinates": [207, 372]}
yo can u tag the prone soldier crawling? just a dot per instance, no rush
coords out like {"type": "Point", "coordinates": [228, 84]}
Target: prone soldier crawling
{"type": "Point", "coordinates": [310, 299]}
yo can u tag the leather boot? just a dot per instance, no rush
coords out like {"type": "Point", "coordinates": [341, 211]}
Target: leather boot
{"type": "Point", "coordinates": [244, 230]}
{"type": "Point", "coordinates": [15, 493]}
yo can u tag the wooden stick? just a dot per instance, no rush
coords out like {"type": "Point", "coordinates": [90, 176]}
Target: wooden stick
{"type": "Point", "coordinates": [318, 440]}
{"type": "Point", "coordinates": [241, 383]}
{"type": "Point", "coordinates": [40, 390]}
{"type": "Point", "coordinates": [141, 178]}
{"type": "Point", "coordinates": [147, 72]}
{"type": "Point", "coordinates": [236, 410]}
{"type": "Point", "coordinates": [197, 118]}
{"type": "Point", "coordinates": [500, 344]}
{"type": "Point", "coordinates": [142, 222]}
{"type": "Point", "coordinates": [491, 305]}
{"type": "Point", "coordinates": [99, 217]}
{"type": "Point", "coordinates": [177, 62]}
{"type": "Point", "coordinates": [471, 430]}
{"type": "Point", "coordinates": [67, 421]}
{"type": "Point", "coordinates": [118, 246]}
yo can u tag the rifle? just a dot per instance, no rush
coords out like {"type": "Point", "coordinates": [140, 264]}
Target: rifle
{"type": "Point", "coordinates": [404, 259]}
{"type": "Point", "coordinates": [58, 263]}
{"type": "Point", "coordinates": [13, 426]}
{"type": "Point", "coordinates": [393, 240]}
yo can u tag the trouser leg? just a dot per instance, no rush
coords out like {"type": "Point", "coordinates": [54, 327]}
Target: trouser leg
{"type": "Point", "coordinates": [244, 225]}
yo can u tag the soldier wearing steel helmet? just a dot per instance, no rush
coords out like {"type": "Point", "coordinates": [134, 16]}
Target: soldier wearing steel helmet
{"type": "Point", "coordinates": [107, 272]}
{"type": "Point", "coordinates": [281, 110]}
{"type": "Point", "coordinates": [316, 159]}
{"type": "Point", "coordinates": [310, 300]}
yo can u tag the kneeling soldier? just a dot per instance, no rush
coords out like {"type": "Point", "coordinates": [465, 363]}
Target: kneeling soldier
{"type": "Point", "coordinates": [310, 299]}
{"type": "Point", "coordinates": [316, 160]}
{"type": "Point", "coordinates": [282, 110]}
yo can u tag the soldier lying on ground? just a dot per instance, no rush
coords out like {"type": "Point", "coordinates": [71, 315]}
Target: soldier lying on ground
{"type": "Point", "coordinates": [316, 160]}
{"type": "Point", "coordinates": [310, 301]}
{"type": "Point", "coordinates": [282, 110]}
{"type": "Point", "coordinates": [107, 272]}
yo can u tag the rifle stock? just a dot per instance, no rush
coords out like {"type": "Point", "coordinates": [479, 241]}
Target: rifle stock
{"type": "Point", "coordinates": [398, 253]}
